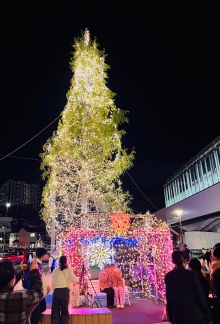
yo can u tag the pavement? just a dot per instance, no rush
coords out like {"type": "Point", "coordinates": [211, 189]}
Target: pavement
{"type": "Point", "coordinates": [141, 311]}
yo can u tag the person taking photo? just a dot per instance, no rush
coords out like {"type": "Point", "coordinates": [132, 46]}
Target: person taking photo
{"type": "Point", "coordinates": [17, 306]}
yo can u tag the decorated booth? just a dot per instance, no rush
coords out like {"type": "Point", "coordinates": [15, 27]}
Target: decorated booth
{"type": "Point", "coordinates": [140, 245]}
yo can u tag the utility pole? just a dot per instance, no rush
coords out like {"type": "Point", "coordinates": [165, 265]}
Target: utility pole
{"type": "Point", "coordinates": [179, 215]}
{"type": "Point", "coordinates": [3, 249]}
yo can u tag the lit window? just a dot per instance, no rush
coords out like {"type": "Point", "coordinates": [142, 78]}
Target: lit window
{"type": "Point", "coordinates": [32, 234]}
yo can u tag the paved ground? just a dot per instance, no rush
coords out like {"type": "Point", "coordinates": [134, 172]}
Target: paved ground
{"type": "Point", "coordinates": [141, 311]}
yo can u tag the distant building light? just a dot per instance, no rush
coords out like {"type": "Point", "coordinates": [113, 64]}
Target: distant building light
{"type": "Point", "coordinates": [32, 234]}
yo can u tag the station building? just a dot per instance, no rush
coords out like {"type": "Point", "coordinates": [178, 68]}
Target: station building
{"type": "Point", "coordinates": [192, 199]}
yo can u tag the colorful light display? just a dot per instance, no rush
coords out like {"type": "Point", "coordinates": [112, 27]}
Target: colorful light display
{"type": "Point", "coordinates": [142, 254]}
{"type": "Point", "coordinates": [120, 222]}
{"type": "Point", "coordinates": [100, 253]}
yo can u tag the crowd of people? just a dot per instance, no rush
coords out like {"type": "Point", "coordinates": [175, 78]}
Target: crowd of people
{"type": "Point", "coordinates": [190, 297]}
{"type": "Point", "coordinates": [28, 302]}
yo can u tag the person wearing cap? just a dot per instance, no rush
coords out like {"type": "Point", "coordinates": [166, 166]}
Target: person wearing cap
{"type": "Point", "coordinates": [17, 306]}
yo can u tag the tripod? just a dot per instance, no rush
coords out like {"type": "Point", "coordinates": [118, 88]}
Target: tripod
{"type": "Point", "coordinates": [81, 277]}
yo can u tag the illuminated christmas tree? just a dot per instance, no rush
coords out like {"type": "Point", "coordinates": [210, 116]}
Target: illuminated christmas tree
{"type": "Point", "coordinates": [84, 159]}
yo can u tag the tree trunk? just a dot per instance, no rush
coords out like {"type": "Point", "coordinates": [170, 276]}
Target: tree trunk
{"type": "Point", "coordinates": [84, 192]}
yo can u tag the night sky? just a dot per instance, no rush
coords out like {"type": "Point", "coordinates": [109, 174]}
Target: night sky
{"type": "Point", "coordinates": [164, 60]}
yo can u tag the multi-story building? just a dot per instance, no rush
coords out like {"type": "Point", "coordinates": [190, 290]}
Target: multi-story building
{"type": "Point", "coordinates": [12, 192]}
{"type": "Point", "coordinates": [192, 196]}
{"type": "Point", "coordinates": [32, 196]}
{"type": "Point", "coordinates": [202, 172]}
{"type": "Point", "coordinates": [5, 229]}
{"type": "Point", "coordinates": [17, 193]}
{"type": "Point", "coordinates": [29, 236]}
{"type": "Point", "coordinates": [25, 238]}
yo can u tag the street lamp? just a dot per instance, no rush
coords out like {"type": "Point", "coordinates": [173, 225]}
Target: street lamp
{"type": "Point", "coordinates": [179, 214]}
{"type": "Point", "coordinates": [7, 206]}
{"type": "Point", "coordinates": [3, 250]}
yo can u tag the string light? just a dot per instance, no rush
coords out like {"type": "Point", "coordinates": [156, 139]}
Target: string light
{"type": "Point", "coordinates": [83, 160]}
{"type": "Point", "coordinates": [82, 163]}
{"type": "Point", "coordinates": [142, 254]}
{"type": "Point", "coordinates": [120, 222]}
{"type": "Point", "coordinates": [100, 253]}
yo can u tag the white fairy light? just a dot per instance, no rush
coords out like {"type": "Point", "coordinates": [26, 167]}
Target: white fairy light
{"type": "Point", "coordinates": [100, 253]}
{"type": "Point", "coordinates": [84, 159]}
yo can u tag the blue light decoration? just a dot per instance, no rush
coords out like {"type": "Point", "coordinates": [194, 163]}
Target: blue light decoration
{"type": "Point", "coordinates": [100, 252]}
{"type": "Point", "coordinates": [124, 241]}
{"type": "Point", "coordinates": [94, 240]}
{"type": "Point", "coordinates": [70, 242]}
{"type": "Point", "coordinates": [132, 242]}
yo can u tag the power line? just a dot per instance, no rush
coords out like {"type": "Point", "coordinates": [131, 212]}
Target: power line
{"type": "Point", "coordinates": [39, 181]}
{"type": "Point", "coordinates": [24, 158]}
{"type": "Point", "coordinates": [135, 210]}
{"type": "Point", "coordinates": [20, 157]}
{"type": "Point", "coordinates": [30, 139]}
{"type": "Point", "coordinates": [141, 191]}
{"type": "Point", "coordinates": [144, 194]}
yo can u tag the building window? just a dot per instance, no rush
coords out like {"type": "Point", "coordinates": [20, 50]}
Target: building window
{"type": "Point", "coordinates": [185, 181]}
{"type": "Point", "coordinates": [213, 161]}
{"type": "Point", "coordinates": [171, 190]}
{"type": "Point", "coordinates": [203, 167]}
{"type": "Point", "coordinates": [32, 234]}
{"type": "Point", "coordinates": [208, 165]}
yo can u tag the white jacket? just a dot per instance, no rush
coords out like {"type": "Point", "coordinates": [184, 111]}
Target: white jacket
{"type": "Point", "coordinates": [63, 279]}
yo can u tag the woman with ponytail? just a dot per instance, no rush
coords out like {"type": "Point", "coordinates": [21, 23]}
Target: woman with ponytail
{"type": "Point", "coordinates": [62, 280]}
{"type": "Point", "coordinates": [186, 301]}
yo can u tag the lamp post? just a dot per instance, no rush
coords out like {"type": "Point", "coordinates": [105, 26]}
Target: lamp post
{"type": "Point", "coordinates": [7, 206]}
{"type": "Point", "coordinates": [179, 214]}
{"type": "Point", "coordinates": [3, 249]}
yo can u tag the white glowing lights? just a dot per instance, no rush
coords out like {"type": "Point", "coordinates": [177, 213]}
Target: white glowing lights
{"type": "Point", "coordinates": [84, 158]}
{"type": "Point", "coordinates": [100, 253]}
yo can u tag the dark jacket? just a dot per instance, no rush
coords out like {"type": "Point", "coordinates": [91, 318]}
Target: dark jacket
{"type": "Point", "coordinates": [17, 306]}
{"type": "Point", "coordinates": [216, 300]}
{"type": "Point", "coordinates": [186, 253]}
{"type": "Point", "coordinates": [205, 284]}
{"type": "Point", "coordinates": [185, 297]}
{"type": "Point", "coordinates": [216, 283]}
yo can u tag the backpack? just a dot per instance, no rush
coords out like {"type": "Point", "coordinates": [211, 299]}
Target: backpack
{"type": "Point", "coordinates": [26, 279]}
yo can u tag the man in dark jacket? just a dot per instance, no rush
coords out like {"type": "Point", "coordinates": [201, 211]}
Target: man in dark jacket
{"type": "Point", "coordinates": [186, 302]}
{"type": "Point", "coordinates": [186, 251]}
{"type": "Point", "coordinates": [215, 284]}
{"type": "Point", "coordinates": [17, 306]}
